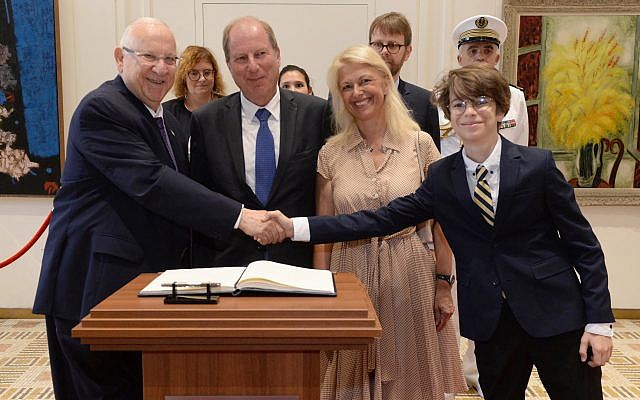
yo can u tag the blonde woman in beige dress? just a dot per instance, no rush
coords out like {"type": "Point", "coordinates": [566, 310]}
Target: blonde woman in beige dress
{"type": "Point", "coordinates": [378, 154]}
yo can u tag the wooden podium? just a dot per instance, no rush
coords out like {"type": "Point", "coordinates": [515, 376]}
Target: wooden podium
{"type": "Point", "coordinates": [243, 346]}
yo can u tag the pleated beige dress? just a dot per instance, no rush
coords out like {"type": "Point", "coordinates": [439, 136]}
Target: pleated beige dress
{"type": "Point", "coordinates": [411, 361]}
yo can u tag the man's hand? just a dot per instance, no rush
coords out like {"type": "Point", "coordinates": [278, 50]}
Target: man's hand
{"type": "Point", "coordinates": [601, 346]}
{"type": "Point", "coordinates": [443, 305]}
{"type": "Point", "coordinates": [255, 224]}
{"type": "Point", "coordinates": [281, 220]}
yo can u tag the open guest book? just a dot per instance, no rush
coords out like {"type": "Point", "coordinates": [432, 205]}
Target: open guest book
{"type": "Point", "coordinates": [258, 276]}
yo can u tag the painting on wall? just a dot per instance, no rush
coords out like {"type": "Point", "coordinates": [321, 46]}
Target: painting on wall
{"type": "Point", "coordinates": [30, 112]}
{"type": "Point", "coordinates": [578, 64]}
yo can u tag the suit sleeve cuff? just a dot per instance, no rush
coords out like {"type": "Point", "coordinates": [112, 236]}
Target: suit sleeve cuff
{"type": "Point", "coordinates": [237, 224]}
{"type": "Point", "coordinates": [604, 329]}
{"type": "Point", "coordinates": [301, 232]}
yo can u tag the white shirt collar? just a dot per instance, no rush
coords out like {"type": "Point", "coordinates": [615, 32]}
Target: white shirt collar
{"type": "Point", "coordinates": [492, 163]}
{"type": "Point", "coordinates": [155, 114]}
{"type": "Point", "coordinates": [249, 108]}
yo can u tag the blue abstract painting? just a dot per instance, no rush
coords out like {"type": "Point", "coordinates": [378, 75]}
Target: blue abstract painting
{"type": "Point", "coordinates": [29, 112]}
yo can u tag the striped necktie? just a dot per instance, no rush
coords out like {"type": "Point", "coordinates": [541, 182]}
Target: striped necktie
{"type": "Point", "coordinates": [482, 195]}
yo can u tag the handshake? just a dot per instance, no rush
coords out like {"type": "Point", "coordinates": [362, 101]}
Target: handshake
{"type": "Point", "coordinates": [266, 227]}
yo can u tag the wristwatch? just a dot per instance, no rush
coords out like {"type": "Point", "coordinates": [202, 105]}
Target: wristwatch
{"type": "Point", "coordinates": [450, 279]}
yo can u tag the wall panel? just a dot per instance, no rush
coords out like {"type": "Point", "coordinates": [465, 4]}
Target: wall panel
{"type": "Point", "coordinates": [309, 34]}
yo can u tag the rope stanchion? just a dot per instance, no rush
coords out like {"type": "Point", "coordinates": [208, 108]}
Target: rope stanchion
{"type": "Point", "coordinates": [29, 244]}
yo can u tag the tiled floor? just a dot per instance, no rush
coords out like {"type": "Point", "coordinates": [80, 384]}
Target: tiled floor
{"type": "Point", "coordinates": [24, 361]}
{"type": "Point", "coordinates": [24, 364]}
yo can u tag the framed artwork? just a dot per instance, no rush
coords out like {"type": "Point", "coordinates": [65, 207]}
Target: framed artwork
{"type": "Point", "coordinates": [578, 63]}
{"type": "Point", "coordinates": [30, 98]}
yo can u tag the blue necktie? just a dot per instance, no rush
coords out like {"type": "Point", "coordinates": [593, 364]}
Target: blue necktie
{"type": "Point", "coordinates": [165, 139]}
{"type": "Point", "coordinates": [265, 157]}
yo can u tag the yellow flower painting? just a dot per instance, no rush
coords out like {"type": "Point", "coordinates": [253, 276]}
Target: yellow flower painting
{"type": "Point", "coordinates": [587, 93]}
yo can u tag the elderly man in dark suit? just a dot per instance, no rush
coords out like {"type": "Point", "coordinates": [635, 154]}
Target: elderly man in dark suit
{"type": "Point", "coordinates": [124, 208]}
{"type": "Point", "coordinates": [258, 146]}
{"type": "Point", "coordinates": [532, 279]}
{"type": "Point", "coordinates": [390, 35]}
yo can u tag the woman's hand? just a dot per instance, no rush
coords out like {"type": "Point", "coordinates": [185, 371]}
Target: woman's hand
{"type": "Point", "coordinates": [443, 306]}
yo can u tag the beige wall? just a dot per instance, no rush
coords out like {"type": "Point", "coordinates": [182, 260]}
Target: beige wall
{"type": "Point", "coordinates": [90, 29]}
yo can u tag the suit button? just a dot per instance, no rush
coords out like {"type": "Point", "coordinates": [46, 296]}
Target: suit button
{"type": "Point", "coordinates": [494, 283]}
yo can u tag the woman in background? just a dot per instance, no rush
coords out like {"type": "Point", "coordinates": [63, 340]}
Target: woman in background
{"type": "Point", "coordinates": [197, 82]}
{"type": "Point", "coordinates": [379, 154]}
{"type": "Point", "coordinates": [295, 79]}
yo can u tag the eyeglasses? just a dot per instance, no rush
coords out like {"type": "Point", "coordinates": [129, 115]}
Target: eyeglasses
{"type": "Point", "coordinates": [460, 106]}
{"type": "Point", "coordinates": [392, 48]}
{"type": "Point", "coordinates": [195, 75]}
{"type": "Point", "coordinates": [152, 59]}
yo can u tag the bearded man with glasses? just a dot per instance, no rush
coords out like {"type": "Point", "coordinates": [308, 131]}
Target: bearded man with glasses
{"type": "Point", "coordinates": [390, 36]}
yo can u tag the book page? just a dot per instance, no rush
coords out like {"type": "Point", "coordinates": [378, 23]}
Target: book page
{"type": "Point", "coordinates": [225, 276]}
{"type": "Point", "coordinates": [269, 275]}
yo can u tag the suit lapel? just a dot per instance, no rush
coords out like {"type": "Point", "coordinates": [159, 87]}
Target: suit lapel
{"type": "Point", "coordinates": [157, 143]}
{"type": "Point", "coordinates": [402, 88]}
{"type": "Point", "coordinates": [152, 134]}
{"type": "Point", "coordinates": [288, 115]}
{"type": "Point", "coordinates": [178, 149]}
{"type": "Point", "coordinates": [233, 133]}
{"type": "Point", "coordinates": [509, 171]}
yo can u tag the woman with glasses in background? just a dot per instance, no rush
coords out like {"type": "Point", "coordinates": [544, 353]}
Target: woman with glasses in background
{"type": "Point", "coordinates": [198, 81]}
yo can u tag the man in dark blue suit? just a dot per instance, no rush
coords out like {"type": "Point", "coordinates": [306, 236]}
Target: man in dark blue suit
{"type": "Point", "coordinates": [124, 208]}
{"type": "Point", "coordinates": [390, 35]}
{"type": "Point", "coordinates": [532, 278]}
{"type": "Point", "coordinates": [225, 145]}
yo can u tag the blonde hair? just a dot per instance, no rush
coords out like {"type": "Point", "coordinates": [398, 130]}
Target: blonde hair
{"type": "Point", "coordinates": [399, 121]}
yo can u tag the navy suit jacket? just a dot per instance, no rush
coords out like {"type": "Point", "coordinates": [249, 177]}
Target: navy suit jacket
{"type": "Point", "coordinates": [539, 242]}
{"type": "Point", "coordinates": [217, 161]}
{"type": "Point", "coordinates": [418, 101]}
{"type": "Point", "coordinates": [122, 208]}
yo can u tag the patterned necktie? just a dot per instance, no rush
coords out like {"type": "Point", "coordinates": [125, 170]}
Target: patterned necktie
{"type": "Point", "coordinates": [265, 157]}
{"type": "Point", "coordinates": [482, 195]}
{"type": "Point", "coordinates": [165, 139]}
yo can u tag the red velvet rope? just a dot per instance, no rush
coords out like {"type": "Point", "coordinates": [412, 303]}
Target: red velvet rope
{"type": "Point", "coordinates": [29, 244]}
